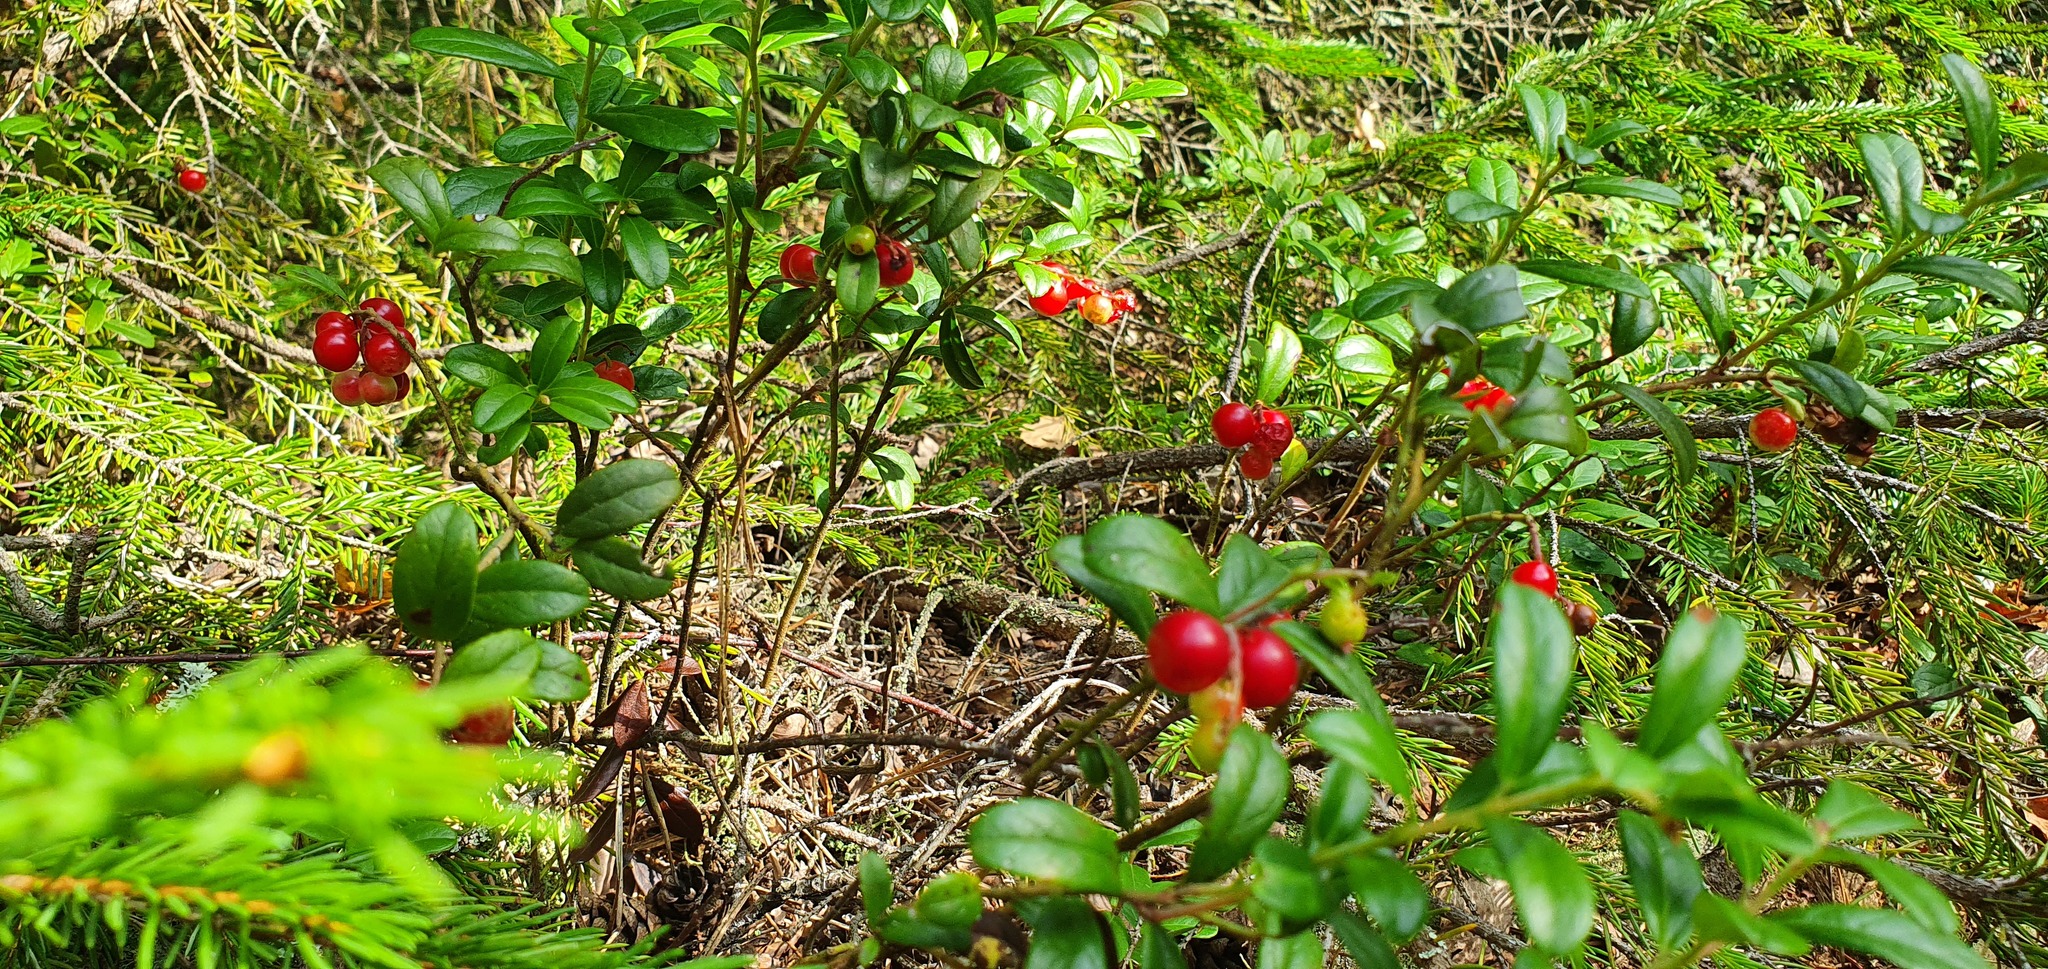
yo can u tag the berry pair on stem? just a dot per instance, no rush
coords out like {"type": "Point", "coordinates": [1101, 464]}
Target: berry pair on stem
{"type": "Point", "coordinates": [1266, 430]}
{"type": "Point", "coordinates": [1537, 574]}
{"type": "Point", "coordinates": [375, 335]}
{"type": "Point", "coordinates": [895, 260]}
{"type": "Point", "coordinates": [1097, 307]}
{"type": "Point", "coordinates": [1193, 653]}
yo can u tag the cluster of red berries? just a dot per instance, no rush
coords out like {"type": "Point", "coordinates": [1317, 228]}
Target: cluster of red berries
{"type": "Point", "coordinates": [1097, 307]}
{"type": "Point", "coordinates": [374, 334]}
{"type": "Point", "coordinates": [1773, 430]}
{"type": "Point", "coordinates": [1268, 431]}
{"type": "Point", "coordinates": [1195, 654]}
{"type": "Point", "coordinates": [894, 258]}
{"type": "Point", "coordinates": [1479, 394]}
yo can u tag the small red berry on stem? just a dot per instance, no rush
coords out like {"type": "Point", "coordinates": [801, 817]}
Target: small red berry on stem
{"type": "Point", "coordinates": [898, 263]}
{"type": "Point", "coordinates": [1275, 433]}
{"type": "Point", "coordinates": [336, 349]}
{"type": "Point", "coordinates": [1773, 430]}
{"type": "Point", "coordinates": [347, 387]}
{"type": "Point", "coordinates": [1098, 309]}
{"type": "Point", "coordinates": [800, 264]}
{"type": "Point", "coordinates": [386, 354]}
{"type": "Point", "coordinates": [1234, 424]}
{"type": "Point", "coordinates": [1270, 669]}
{"type": "Point", "coordinates": [334, 321]}
{"type": "Point", "coordinates": [1081, 287]}
{"type": "Point", "coordinates": [192, 180]}
{"type": "Point", "coordinates": [1188, 651]}
{"type": "Point", "coordinates": [404, 383]}
{"type": "Point", "coordinates": [1256, 464]}
{"type": "Point", "coordinates": [1125, 301]}
{"type": "Point", "coordinates": [1538, 575]}
{"type": "Point", "coordinates": [1053, 301]}
{"type": "Point", "coordinates": [615, 372]}
{"type": "Point", "coordinates": [377, 389]}
{"type": "Point", "coordinates": [383, 309]}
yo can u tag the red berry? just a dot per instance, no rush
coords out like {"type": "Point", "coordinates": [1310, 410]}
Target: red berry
{"type": "Point", "coordinates": [1473, 390]}
{"type": "Point", "coordinates": [1081, 287]}
{"type": "Point", "coordinates": [336, 349]}
{"type": "Point", "coordinates": [1584, 618]}
{"type": "Point", "coordinates": [1538, 575]}
{"type": "Point", "coordinates": [1274, 434]}
{"type": "Point", "coordinates": [800, 264]}
{"type": "Point", "coordinates": [1493, 402]}
{"type": "Point", "coordinates": [404, 383]}
{"type": "Point", "coordinates": [377, 388]}
{"type": "Point", "coordinates": [383, 309]}
{"type": "Point", "coordinates": [1270, 670]}
{"type": "Point", "coordinates": [1773, 430]}
{"type": "Point", "coordinates": [1234, 424]}
{"type": "Point", "coordinates": [348, 388]}
{"type": "Point", "coordinates": [1219, 701]}
{"type": "Point", "coordinates": [192, 180]}
{"type": "Point", "coordinates": [898, 265]}
{"type": "Point", "coordinates": [386, 354]}
{"type": "Point", "coordinates": [1189, 650]}
{"type": "Point", "coordinates": [334, 321]}
{"type": "Point", "coordinates": [1098, 309]}
{"type": "Point", "coordinates": [1053, 301]}
{"type": "Point", "coordinates": [1256, 464]}
{"type": "Point", "coordinates": [615, 372]}
{"type": "Point", "coordinates": [1125, 301]}
{"type": "Point", "coordinates": [488, 727]}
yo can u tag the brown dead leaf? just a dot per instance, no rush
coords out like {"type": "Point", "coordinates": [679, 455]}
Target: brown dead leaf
{"type": "Point", "coordinates": [2037, 815]}
{"type": "Point", "coordinates": [1050, 433]}
{"type": "Point", "coordinates": [634, 717]}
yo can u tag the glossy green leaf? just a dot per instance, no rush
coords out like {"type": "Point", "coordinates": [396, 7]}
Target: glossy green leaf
{"type": "Point", "coordinates": [434, 577]}
{"type": "Point", "coordinates": [877, 887]}
{"type": "Point", "coordinates": [1625, 187]}
{"type": "Point", "coordinates": [1685, 450]}
{"type": "Point", "coordinates": [1534, 656]}
{"type": "Point", "coordinates": [1049, 841]}
{"type": "Point", "coordinates": [1276, 367]}
{"type": "Point", "coordinates": [502, 406]}
{"type": "Point", "coordinates": [1552, 893]}
{"type": "Point", "coordinates": [1390, 892]}
{"type": "Point", "coordinates": [1365, 946]}
{"type": "Point", "coordinates": [489, 48]}
{"type": "Point", "coordinates": [562, 677]}
{"type": "Point", "coordinates": [416, 187]}
{"type": "Point", "coordinates": [1850, 813]}
{"type": "Point", "coordinates": [1252, 785]}
{"type": "Point", "coordinates": [510, 657]}
{"type": "Point", "coordinates": [1883, 933]}
{"type": "Point", "coordinates": [685, 131]}
{"type": "Point", "coordinates": [1364, 741]}
{"type": "Point", "coordinates": [1149, 553]}
{"type": "Point", "coordinates": [1067, 933]}
{"type": "Point", "coordinates": [1632, 324]}
{"type": "Point", "coordinates": [525, 593]}
{"type": "Point", "coordinates": [1544, 110]}
{"type": "Point", "coordinates": [1484, 299]}
{"type": "Point", "coordinates": [1896, 176]}
{"type": "Point", "coordinates": [589, 400]}
{"type": "Point", "coordinates": [1665, 876]}
{"type": "Point", "coordinates": [614, 565]}
{"type": "Point", "coordinates": [552, 349]}
{"type": "Point", "coordinates": [481, 365]}
{"type": "Point", "coordinates": [1131, 604]}
{"type": "Point", "coordinates": [529, 142]}
{"type": "Point", "coordinates": [1974, 273]}
{"type": "Point", "coordinates": [618, 497]}
{"type": "Point", "coordinates": [646, 251]}
{"type": "Point", "coordinates": [1583, 274]}
{"type": "Point", "coordinates": [1694, 677]}
{"type": "Point", "coordinates": [1840, 389]}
